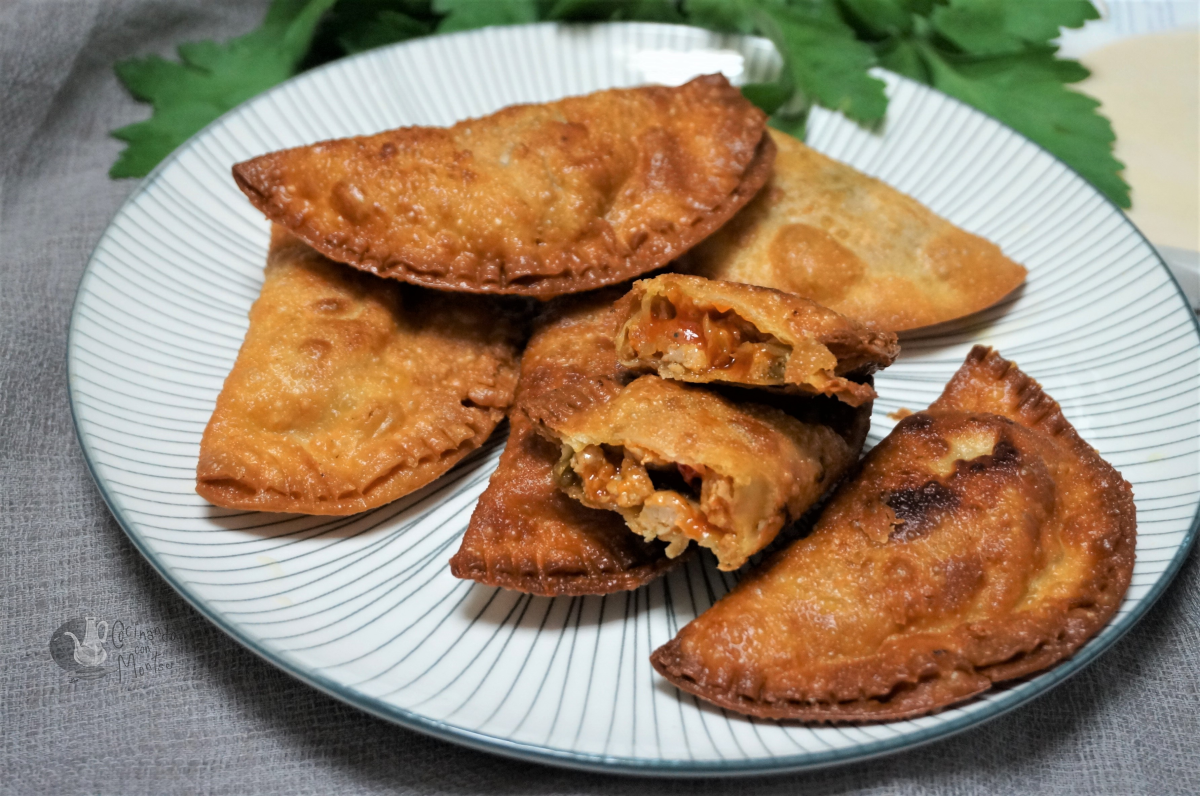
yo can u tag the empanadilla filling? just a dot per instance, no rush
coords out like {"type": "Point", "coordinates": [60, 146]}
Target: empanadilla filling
{"type": "Point", "coordinates": [673, 501]}
{"type": "Point", "coordinates": [683, 465]}
{"type": "Point", "coordinates": [692, 329]}
{"type": "Point", "coordinates": [699, 340]}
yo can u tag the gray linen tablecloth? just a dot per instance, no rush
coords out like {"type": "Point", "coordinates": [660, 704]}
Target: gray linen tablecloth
{"type": "Point", "coordinates": [206, 716]}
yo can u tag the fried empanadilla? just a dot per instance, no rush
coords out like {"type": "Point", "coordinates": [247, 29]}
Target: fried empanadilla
{"type": "Point", "coordinates": [351, 391]}
{"type": "Point", "coordinates": [983, 540]}
{"type": "Point", "coordinates": [683, 464]}
{"type": "Point", "coordinates": [697, 330]}
{"type": "Point", "coordinates": [825, 231]}
{"type": "Point", "coordinates": [527, 535]}
{"type": "Point", "coordinates": [537, 200]}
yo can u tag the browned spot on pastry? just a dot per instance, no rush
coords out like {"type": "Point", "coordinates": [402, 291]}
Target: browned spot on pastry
{"type": "Point", "coordinates": [919, 509]}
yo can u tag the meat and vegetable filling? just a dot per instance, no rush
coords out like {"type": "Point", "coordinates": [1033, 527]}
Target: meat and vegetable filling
{"type": "Point", "coordinates": [704, 340]}
{"type": "Point", "coordinates": [659, 499]}
{"type": "Point", "coordinates": [691, 329]}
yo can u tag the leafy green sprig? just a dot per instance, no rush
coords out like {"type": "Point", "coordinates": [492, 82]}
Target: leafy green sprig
{"type": "Point", "coordinates": [996, 55]}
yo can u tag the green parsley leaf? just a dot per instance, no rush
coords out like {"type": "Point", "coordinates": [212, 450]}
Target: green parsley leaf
{"type": "Point", "coordinates": [876, 18]}
{"type": "Point", "coordinates": [353, 26]}
{"type": "Point", "coordinates": [768, 96]}
{"type": "Point", "coordinates": [388, 27]}
{"type": "Point", "coordinates": [1028, 92]}
{"type": "Point", "coordinates": [727, 16]}
{"type": "Point", "coordinates": [613, 10]}
{"type": "Point", "coordinates": [471, 14]}
{"type": "Point", "coordinates": [903, 57]}
{"type": "Point", "coordinates": [211, 79]}
{"type": "Point", "coordinates": [990, 27]}
{"type": "Point", "coordinates": [824, 61]}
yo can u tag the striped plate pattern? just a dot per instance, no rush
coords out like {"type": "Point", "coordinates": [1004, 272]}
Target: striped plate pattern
{"type": "Point", "coordinates": [365, 607]}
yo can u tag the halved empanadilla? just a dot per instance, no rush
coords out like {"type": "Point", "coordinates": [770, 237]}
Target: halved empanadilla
{"type": "Point", "coordinates": [982, 540]}
{"type": "Point", "coordinates": [527, 535]}
{"type": "Point", "coordinates": [682, 464]}
{"type": "Point", "coordinates": [693, 329]}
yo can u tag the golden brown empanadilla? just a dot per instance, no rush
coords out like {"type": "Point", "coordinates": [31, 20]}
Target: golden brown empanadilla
{"type": "Point", "coordinates": [825, 231]}
{"type": "Point", "coordinates": [351, 391]}
{"type": "Point", "coordinates": [527, 535]}
{"type": "Point", "coordinates": [982, 540]}
{"type": "Point", "coordinates": [537, 200]}
{"type": "Point", "coordinates": [697, 330]}
{"type": "Point", "coordinates": [683, 464]}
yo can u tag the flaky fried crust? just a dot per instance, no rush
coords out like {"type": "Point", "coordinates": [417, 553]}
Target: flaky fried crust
{"type": "Point", "coordinates": [699, 330]}
{"type": "Point", "coordinates": [983, 540]}
{"type": "Point", "coordinates": [351, 391]}
{"type": "Point", "coordinates": [537, 200]}
{"type": "Point", "coordinates": [754, 467]}
{"type": "Point", "coordinates": [528, 536]}
{"type": "Point", "coordinates": [830, 233]}
{"type": "Point", "coordinates": [525, 534]}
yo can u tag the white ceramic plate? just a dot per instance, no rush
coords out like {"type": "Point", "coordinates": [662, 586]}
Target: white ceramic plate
{"type": "Point", "coordinates": [365, 607]}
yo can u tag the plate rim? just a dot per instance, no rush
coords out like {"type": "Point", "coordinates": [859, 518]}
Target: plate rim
{"type": "Point", "coordinates": [1041, 683]}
